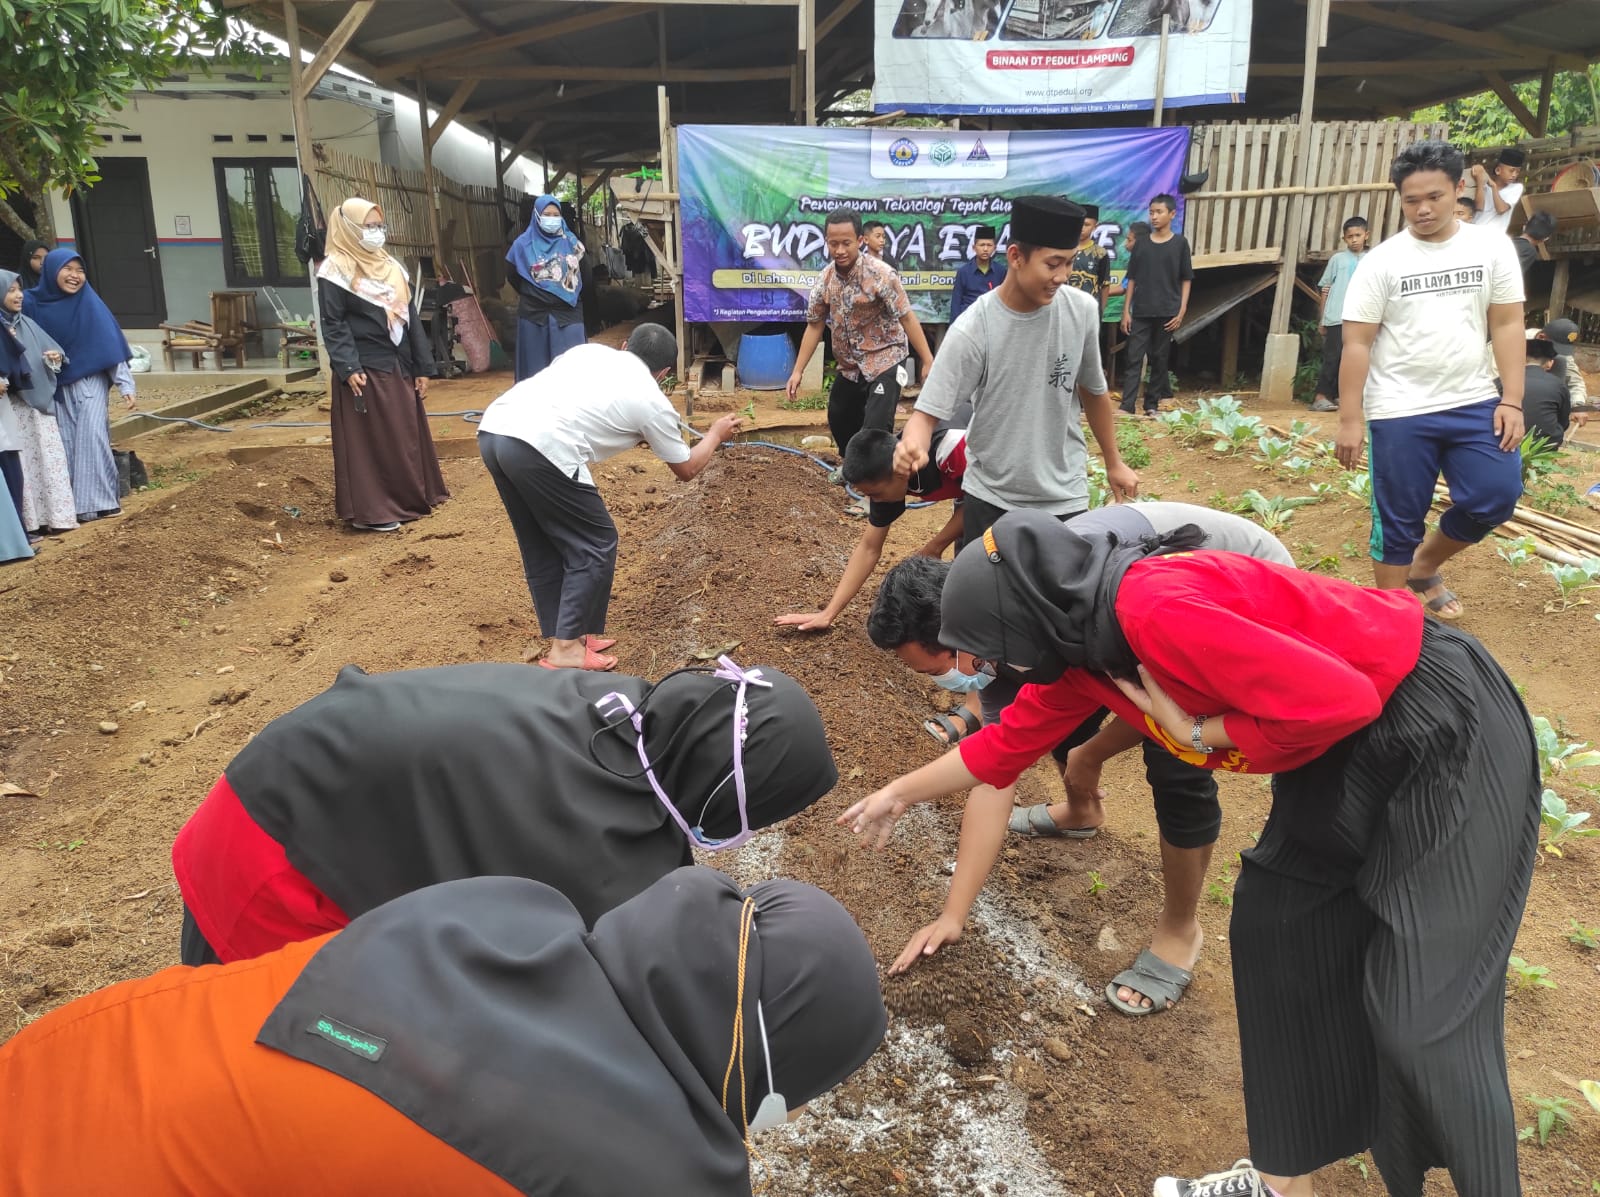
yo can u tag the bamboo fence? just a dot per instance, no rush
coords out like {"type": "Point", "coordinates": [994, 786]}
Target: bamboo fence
{"type": "Point", "coordinates": [1242, 214]}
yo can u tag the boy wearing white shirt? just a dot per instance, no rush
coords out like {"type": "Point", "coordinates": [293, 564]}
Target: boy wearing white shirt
{"type": "Point", "coordinates": [1415, 319]}
{"type": "Point", "coordinates": [539, 439]}
{"type": "Point", "coordinates": [1499, 190]}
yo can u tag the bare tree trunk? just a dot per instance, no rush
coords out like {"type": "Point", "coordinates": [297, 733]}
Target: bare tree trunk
{"type": "Point", "coordinates": [10, 218]}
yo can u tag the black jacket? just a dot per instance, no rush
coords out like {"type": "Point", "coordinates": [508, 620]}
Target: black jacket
{"type": "Point", "coordinates": [356, 334]}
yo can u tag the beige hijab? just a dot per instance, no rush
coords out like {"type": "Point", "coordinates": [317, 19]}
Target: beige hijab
{"type": "Point", "coordinates": [368, 273]}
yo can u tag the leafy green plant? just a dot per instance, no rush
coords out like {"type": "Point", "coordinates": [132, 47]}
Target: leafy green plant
{"type": "Point", "coordinates": [1234, 431]}
{"type": "Point", "coordinates": [1556, 498]}
{"type": "Point", "coordinates": [1560, 824]}
{"type": "Point", "coordinates": [1273, 451]}
{"type": "Point", "coordinates": [1573, 580]}
{"type": "Point", "coordinates": [1359, 1163]}
{"type": "Point", "coordinates": [1130, 443]}
{"type": "Point", "coordinates": [749, 411]}
{"type": "Point", "coordinates": [1272, 514]}
{"type": "Point", "coordinates": [1539, 457]}
{"type": "Point", "coordinates": [1220, 891]}
{"type": "Point", "coordinates": [1516, 552]}
{"type": "Point", "coordinates": [817, 402]}
{"type": "Point", "coordinates": [1584, 937]}
{"type": "Point", "coordinates": [1299, 467]}
{"type": "Point", "coordinates": [1559, 755]}
{"type": "Point", "coordinates": [1299, 429]}
{"type": "Point", "coordinates": [1095, 884]}
{"type": "Point", "coordinates": [1551, 1116]}
{"type": "Point", "coordinates": [1521, 975]}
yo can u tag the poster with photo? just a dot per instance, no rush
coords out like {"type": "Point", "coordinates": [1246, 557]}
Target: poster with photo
{"type": "Point", "coordinates": [1056, 56]}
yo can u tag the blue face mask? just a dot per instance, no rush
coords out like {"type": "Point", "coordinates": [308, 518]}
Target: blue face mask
{"type": "Point", "coordinates": [962, 683]}
{"type": "Point", "coordinates": [550, 224]}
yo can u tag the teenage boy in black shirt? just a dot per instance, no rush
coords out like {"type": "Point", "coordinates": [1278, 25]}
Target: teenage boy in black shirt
{"type": "Point", "coordinates": [1160, 274]}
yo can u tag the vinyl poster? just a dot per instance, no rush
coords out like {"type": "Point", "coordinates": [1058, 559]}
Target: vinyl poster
{"type": "Point", "coordinates": [1048, 56]}
{"type": "Point", "coordinates": [754, 200]}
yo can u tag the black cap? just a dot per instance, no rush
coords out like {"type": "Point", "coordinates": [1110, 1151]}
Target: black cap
{"type": "Point", "coordinates": [1512, 156]}
{"type": "Point", "coordinates": [1090, 211]}
{"type": "Point", "coordinates": [1046, 222]}
{"type": "Point", "coordinates": [984, 232]}
{"type": "Point", "coordinates": [1563, 332]}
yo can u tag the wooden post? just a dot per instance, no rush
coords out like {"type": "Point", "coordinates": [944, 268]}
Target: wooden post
{"type": "Point", "coordinates": [1232, 326]}
{"type": "Point", "coordinates": [1558, 290]}
{"type": "Point", "coordinates": [499, 171]}
{"type": "Point", "coordinates": [427, 171]}
{"type": "Point", "coordinates": [674, 238]}
{"type": "Point", "coordinates": [1294, 243]}
{"type": "Point", "coordinates": [299, 107]}
{"type": "Point", "coordinates": [1161, 71]}
{"type": "Point", "coordinates": [806, 11]}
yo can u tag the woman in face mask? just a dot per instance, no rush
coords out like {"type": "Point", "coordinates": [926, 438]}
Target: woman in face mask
{"type": "Point", "coordinates": [1373, 920]}
{"type": "Point", "coordinates": [47, 504]}
{"type": "Point", "coordinates": [385, 470]}
{"type": "Point", "coordinates": [470, 1038]}
{"type": "Point", "coordinates": [594, 783]}
{"type": "Point", "coordinates": [546, 274]}
{"type": "Point", "coordinates": [67, 309]}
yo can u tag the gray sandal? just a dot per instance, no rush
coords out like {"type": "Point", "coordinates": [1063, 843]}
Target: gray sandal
{"type": "Point", "coordinates": [1034, 822]}
{"type": "Point", "coordinates": [1155, 978]}
{"type": "Point", "coordinates": [1437, 604]}
{"type": "Point", "coordinates": [945, 721]}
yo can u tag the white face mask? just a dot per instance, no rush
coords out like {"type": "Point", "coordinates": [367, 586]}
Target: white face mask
{"type": "Point", "coordinates": [962, 683]}
{"type": "Point", "coordinates": [373, 238]}
{"type": "Point", "coordinates": [550, 224]}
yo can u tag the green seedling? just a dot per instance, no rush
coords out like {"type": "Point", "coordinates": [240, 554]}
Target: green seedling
{"type": "Point", "coordinates": [1552, 1115]}
{"type": "Point", "coordinates": [1300, 467]}
{"type": "Point", "coordinates": [1516, 552]}
{"type": "Point", "coordinates": [1220, 891]}
{"type": "Point", "coordinates": [1573, 580]}
{"type": "Point", "coordinates": [1095, 884]}
{"type": "Point", "coordinates": [818, 402]}
{"type": "Point", "coordinates": [750, 411]}
{"type": "Point", "coordinates": [1521, 975]}
{"type": "Point", "coordinates": [1358, 485]}
{"type": "Point", "coordinates": [1359, 1163]}
{"type": "Point", "coordinates": [1538, 458]}
{"type": "Point", "coordinates": [1591, 1093]}
{"type": "Point", "coordinates": [1557, 755]}
{"type": "Point", "coordinates": [1234, 432]}
{"type": "Point", "coordinates": [1560, 824]}
{"type": "Point", "coordinates": [1299, 430]}
{"type": "Point", "coordinates": [1273, 451]}
{"type": "Point", "coordinates": [1272, 514]}
{"type": "Point", "coordinates": [1587, 938]}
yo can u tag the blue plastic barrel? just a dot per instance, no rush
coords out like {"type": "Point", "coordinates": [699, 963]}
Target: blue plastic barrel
{"type": "Point", "coordinates": [766, 359]}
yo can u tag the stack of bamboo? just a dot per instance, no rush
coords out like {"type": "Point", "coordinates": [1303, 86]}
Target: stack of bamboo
{"type": "Point", "coordinates": [1554, 539]}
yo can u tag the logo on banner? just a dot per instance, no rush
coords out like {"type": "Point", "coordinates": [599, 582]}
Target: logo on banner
{"type": "Point", "coordinates": [979, 154]}
{"type": "Point", "coordinates": [943, 153]}
{"type": "Point", "coordinates": [903, 152]}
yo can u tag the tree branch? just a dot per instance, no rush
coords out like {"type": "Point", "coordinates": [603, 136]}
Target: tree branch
{"type": "Point", "coordinates": [14, 222]}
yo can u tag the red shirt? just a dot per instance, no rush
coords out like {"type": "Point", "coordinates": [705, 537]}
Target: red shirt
{"type": "Point", "coordinates": [1295, 662]}
{"type": "Point", "coordinates": [246, 898]}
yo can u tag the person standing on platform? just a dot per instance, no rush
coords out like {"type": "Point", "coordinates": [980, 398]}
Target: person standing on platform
{"type": "Point", "coordinates": [1499, 189]}
{"type": "Point", "coordinates": [873, 327]}
{"type": "Point", "coordinates": [977, 277]}
{"type": "Point", "coordinates": [1160, 274]}
{"type": "Point", "coordinates": [1540, 228]}
{"type": "Point", "coordinates": [546, 273]}
{"type": "Point", "coordinates": [1416, 376]}
{"type": "Point", "coordinates": [1116, 293]}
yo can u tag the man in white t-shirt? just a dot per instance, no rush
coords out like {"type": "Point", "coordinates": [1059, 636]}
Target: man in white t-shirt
{"type": "Point", "coordinates": [1416, 316]}
{"type": "Point", "coordinates": [1499, 189]}
{"type": "Point", "coordinates": [539, 439]}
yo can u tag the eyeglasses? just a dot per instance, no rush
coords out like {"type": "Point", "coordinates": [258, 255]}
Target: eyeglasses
{"type": "Point", "coordinates": [382, 228]}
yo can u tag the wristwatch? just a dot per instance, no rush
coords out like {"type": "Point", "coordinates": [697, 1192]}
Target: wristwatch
{"type": "Point", "coordinates": [1197, 736]}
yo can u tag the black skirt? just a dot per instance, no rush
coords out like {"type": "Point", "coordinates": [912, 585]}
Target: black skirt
{"type": "Point", "coordinates": [384, 465]}
{"type": "Point", "coordinates": [1371, 929]}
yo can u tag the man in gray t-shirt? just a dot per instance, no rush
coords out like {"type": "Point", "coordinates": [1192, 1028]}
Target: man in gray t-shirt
{"type": "Point", "coordinates": [1028, 357]}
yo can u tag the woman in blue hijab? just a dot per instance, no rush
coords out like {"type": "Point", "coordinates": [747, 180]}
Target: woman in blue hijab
{"type": "Point", "coordinates": [69, 311]}
{"type": "Point", "coordinates": [545, 273]}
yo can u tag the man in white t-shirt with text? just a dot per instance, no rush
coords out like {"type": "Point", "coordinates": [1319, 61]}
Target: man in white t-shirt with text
{"type": "Point", "coordinates": [1499, 189]}
{"type": "Point", "coordinates": [1416, 316]}
{"type": "Point", "coordinates": [539, 440]}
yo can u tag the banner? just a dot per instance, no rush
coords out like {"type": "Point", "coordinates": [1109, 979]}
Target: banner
{"type": "Point", "coordinates": [754, 200]}
{"type": "Point", "coordinates": [1048, 56]}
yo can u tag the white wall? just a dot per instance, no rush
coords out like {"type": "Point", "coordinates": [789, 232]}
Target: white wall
{"type": "Point", "coordinates": [460, 153]}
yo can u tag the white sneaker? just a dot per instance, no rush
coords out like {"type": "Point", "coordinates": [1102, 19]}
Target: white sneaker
{"type": "Point", "coordinates": [1241, 1180]}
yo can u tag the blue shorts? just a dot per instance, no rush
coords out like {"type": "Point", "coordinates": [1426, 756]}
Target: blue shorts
{"type": "Point", "coordinates": [1410, 452]}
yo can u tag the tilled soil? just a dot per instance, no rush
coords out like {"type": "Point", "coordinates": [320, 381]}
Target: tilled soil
{"type": "Point", "coordinates": [209, 609]}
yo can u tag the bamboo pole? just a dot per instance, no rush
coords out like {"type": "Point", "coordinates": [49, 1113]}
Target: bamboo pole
{"type": "Point", "coordinates": [1161, 71]}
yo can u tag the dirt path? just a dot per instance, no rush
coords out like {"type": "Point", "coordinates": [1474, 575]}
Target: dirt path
{"type": "Point", "coordinates": [211, 607]}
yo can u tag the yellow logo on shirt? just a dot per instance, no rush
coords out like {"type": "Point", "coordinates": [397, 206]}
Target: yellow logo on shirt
{"type": "Point", "coordinates": [1229, 760]}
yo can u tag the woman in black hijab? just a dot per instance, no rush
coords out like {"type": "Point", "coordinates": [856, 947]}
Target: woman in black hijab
{"type": "Point", "coordinates": [1373, 920]}
{"type": "Point", "coordinates": [33, 253]}
{"type": "Point", "coordinates": [468, 1038]}
{"type": "Point", "coordinates": [386, 783]}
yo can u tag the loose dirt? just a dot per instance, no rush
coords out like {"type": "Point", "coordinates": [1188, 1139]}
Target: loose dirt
{"type": "Point", "coordinates": [215, 605]}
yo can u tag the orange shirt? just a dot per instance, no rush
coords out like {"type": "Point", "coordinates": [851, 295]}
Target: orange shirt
{"type": "Point", "coordinates": [156, 1087]}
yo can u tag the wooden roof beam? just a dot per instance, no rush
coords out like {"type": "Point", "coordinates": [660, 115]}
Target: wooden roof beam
{"type": "Point", "coordinates": [549, 31]}
{"type": "Point", "coordinates": [1379, 68]}
{"type": "Point", "coordinates": [622, 75]}
{"type": "Point", "coordinates": [1494, 43]}
{"type": "Point", "coordinates": [1508, 97]}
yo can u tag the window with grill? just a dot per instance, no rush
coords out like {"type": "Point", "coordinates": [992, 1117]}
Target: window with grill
{"type": "Point", "coordinates": [259, 200]}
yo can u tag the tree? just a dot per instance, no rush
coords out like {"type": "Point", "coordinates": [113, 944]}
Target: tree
{"type": "Point", "coordinates": [1483, 121]}
{"type": "Point", "coordinates": [68, 66]}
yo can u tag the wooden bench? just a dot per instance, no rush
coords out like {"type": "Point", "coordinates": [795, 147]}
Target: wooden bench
{"type": "Point", "coordinates": [225, 333]}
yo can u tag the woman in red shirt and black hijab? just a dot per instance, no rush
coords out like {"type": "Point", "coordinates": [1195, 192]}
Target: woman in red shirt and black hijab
{"type": "Point", "coordinates": [1373, 921]}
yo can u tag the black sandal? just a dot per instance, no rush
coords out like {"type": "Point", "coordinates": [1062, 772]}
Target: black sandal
{"type": "Point", "coordinates": [952, 734]}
